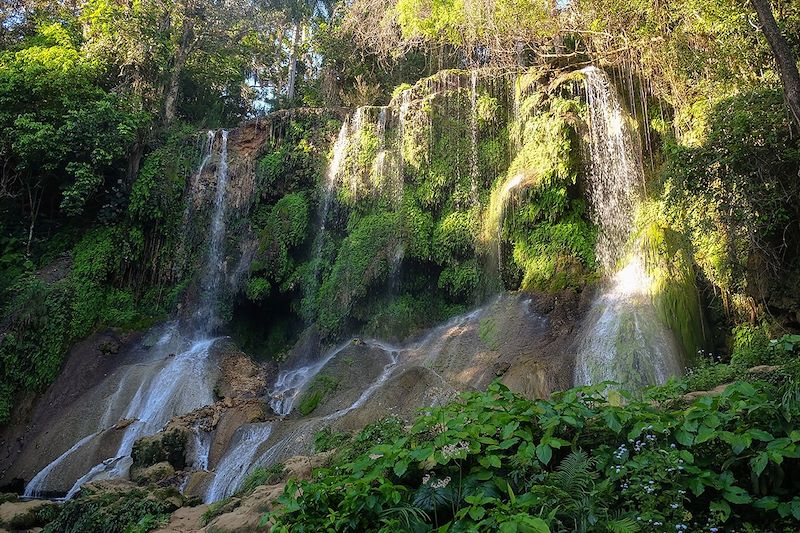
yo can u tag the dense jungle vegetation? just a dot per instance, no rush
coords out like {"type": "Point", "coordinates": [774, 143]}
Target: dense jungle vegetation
{"type": "Point", "coordinates": [103, 110]}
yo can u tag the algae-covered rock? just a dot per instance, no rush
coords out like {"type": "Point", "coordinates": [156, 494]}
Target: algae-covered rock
{"type": "Point", "coordinates": [152, 474]}
{"type": "Point", "coordinates": [114, 508]}
{"type": "Point", "coordinates": [674, 292]}
{"type": "Point", "coordinates": [169, 446]}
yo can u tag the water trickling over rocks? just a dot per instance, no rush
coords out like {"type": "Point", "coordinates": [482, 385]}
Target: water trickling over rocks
{"type": "Point", "coordinates": [178, 376]}
{"type": "Point", "coordinates": [623, 339]}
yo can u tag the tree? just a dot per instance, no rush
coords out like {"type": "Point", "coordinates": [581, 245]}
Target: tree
{"type": "Point", "coordinates": [787, 64]}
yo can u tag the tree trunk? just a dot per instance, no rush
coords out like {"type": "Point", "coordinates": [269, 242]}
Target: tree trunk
{"type": "Point", "coordinates": [135, 159]}
{"type": "Point", "coordinates": [34, 202]}
{"type": "Point", "coordinates": [173, 85]}
{"type": "Point", "coordinates": [293, 63]}
{"type": "Point", "coordinates": [787, 65]}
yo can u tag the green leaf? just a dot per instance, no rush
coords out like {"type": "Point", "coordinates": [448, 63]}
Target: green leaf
{"type": "Point", "coordinates": [534, 524]}
{"type": "Point", "coordinates": [721, 506]}
{"type": "Point", "coordinates": [508, 527]}
{"type": "Point", "coordinates": [761, 435]}
{"type": "Point", "coordinates": [544, 453]}
{"type": "Point", "coordinates": [476, 513]}
{"type": "Point", "coordinates": [490, 461]}
{"type": "Point", "coordinates": [612, 421]}
{"type": "Point", "coordinates": [509, 430]}
{"type": "Point", "coordinates": [705, 434]}
{"type": "Point", "coordinates": [736, 495]}
{"type": "Point", "coordinates": [759, 463]}
{"type": "Point", "coordinates": [684, 437]}
{"type": "Point", "coordinates": [769, 503]}
{"type": "Point", "coordinates": [400, 468]}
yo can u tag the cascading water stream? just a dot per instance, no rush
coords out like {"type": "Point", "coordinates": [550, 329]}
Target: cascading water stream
{"type": "Point", "coordinates": [173, 384]}
{"type": "Point", "coordinates": [237, 461]}
{"type": "Point", "coordinates": [331, 176]}
{"type": "Point", "coordinates": [473, 159]}
{"type": "Point", "coordinates": [622, 339]}
{"type": "Point", "coordinates": [290, 383]}
{"type": "Point", "coordinates": [215, 265]}
{"type": "Point", "coordinates": [615, 177]}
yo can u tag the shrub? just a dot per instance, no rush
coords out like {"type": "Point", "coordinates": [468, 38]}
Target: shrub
{"type": "Point", "coordinates": [114, 512]}
{"type": "Point", "coordinates": [497, 461]}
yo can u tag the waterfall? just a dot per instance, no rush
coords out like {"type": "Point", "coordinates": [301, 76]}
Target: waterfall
{"type": "Point", "coordinates": [201, 449]}
{"type": "Point", "coordinates": [36, 486]}
{"type": "Point", "coordinates": [215, 266]}
{"type": "Point", "coordinates": [380, 159]}
{"type": "Point", "coordinates": [355, 133]}
{"type": "Point", "coordinates": [615, 175]}
{"type": "Point", "coordinates": [179, 376]}
{"type": "Point", "coordinates": [237, 461]}
{"type": "Point", "coordinates": [473, 159]}
{"type": "Point", "coordinates": [405, 105]}
{"type": "Point", "coordinates": [290, 383]}
{"type": "Point", "coordinates": [331, 176]}
{"type": "Point", "coordinates": [622, 338]}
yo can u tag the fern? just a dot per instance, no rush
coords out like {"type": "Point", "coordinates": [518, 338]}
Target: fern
{"type": "Point", "coordinates": [622, 525]}
{"type": "Point", "coordinates": [575, 475]}
{"type": "Point", "coordinates": [409, 515]}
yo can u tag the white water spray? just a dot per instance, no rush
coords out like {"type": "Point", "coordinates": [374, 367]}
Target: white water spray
{"type": "Point", "coordinates": [473, 159]}
{"type": "Point", "coordinates": [291, 382]}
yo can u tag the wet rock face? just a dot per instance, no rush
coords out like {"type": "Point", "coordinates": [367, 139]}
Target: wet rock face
{"type": "Point", "coordinates": [70, 408]}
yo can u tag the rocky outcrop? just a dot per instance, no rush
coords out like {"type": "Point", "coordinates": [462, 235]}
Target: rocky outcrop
{"type": "Point", "coordinates": [242, 513]}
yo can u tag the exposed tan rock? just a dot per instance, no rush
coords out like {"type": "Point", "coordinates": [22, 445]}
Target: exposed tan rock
{"type": "Point", "coordinates": [301, 467]}
{"type": "Point", "coordinates": [239, 375]}
{"type": "Point", "coordinates": [692, 396]}
{"type": "Point", "coordinates": [247, 515]}
{"type": "Point", "coordinates": [185, 520]}
{"type": "Point", "coordinates": [21, 514]}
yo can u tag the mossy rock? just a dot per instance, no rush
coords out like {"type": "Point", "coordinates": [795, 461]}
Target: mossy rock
{"type": "Point", "coordinates": [169, 446]}
{"type": "Point", "coordinates": [152, 474]}
{"type": "Point", "coordinates": [115, 511]}
{"type": "Point", "coordinates": [319, 389]}
{"type": "Point", "coordinates": [669, 264]}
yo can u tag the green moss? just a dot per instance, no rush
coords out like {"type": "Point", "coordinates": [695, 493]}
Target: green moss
{"type": "Point", "coordinates": [674, 293]}
{"type": "Point", "coordinates": [169, 447]}
{"type": "Point", "coordinates": [363, 260]}
{"type": "Point", "coordinates": [535, 207]}
{"type": "Point", "coordinates": [454, 238]}
{"type": "Point", "coordinates": [417, 227]}
{"type": "Point", "coordinates": [460, 280]}
{"type": "Point", "coordinates": [327, 439]}
{"type": "Point", "coordinates": [487, 331]}
{"type": "Point", "coordinates": [319, 389]}
{"type": "Point", "coordinates": [219, 508]}
{"type": "Point", "coordinates": [398, 317]}
{"type": "Point", "coordinates": [114, 511]}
